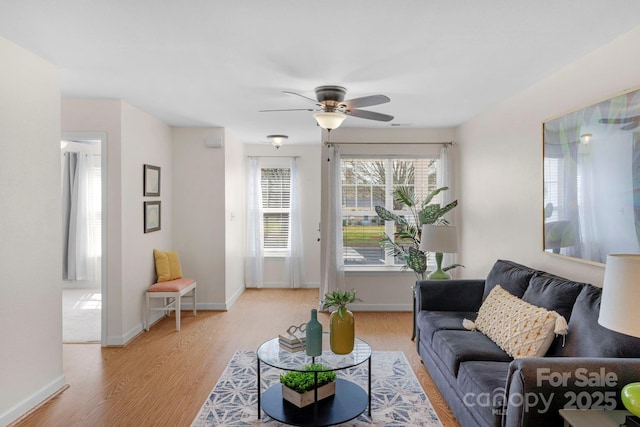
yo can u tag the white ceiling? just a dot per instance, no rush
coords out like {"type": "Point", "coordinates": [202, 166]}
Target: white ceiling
{"type": "Point", "coordinates": [217, 62]}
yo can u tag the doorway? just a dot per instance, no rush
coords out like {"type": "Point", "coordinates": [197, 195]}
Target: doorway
{"type": "Point", "coordinates": [83, 180]}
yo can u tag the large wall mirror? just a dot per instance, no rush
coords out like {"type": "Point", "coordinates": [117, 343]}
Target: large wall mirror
{"type": "Point", "coordinates": [592, 180]}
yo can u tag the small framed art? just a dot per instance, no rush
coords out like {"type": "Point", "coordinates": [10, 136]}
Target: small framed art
{"type": "Point", "coordinates": [151, 180]}
{"type": "Point", "coordinates": [151, 216]}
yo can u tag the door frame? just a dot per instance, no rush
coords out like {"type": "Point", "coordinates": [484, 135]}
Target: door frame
{"type": "Point", "coordinates": [104, 172]}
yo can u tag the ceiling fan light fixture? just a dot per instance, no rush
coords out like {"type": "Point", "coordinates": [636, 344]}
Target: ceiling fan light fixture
{"type": "Point", "coordinates": [277, 140]}
{"type": "Point", "coordinates": [329, 120]}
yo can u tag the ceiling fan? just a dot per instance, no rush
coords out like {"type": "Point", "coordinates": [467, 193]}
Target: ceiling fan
{"type": "Point", "coordinates": [629, 122]}
{"type": "Point", "coordinates": [332, 107]}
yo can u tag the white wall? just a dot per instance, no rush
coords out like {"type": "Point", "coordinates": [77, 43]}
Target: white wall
{"type": "Point", "coordinates": [30, 226]}
{"type": "Point", "coordinates": [309, 170]}
{"type": "Point", "coordinates": [500, 165]}
{"type": "Point", "coordinates": [199, 214]}
{"type": "Point", "coordinates": [234, 202]}
{"type": "Point", "coordinates": [384, 290]}
{"type": "Point", "coordinates": [145, 140]}
{"type": "Point", "coordinates": [133, 139]}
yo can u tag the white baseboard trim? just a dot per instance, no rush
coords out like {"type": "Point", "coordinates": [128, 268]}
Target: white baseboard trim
{"type": "Point", "coordinates": [234, 298]}
{"type": "Point", "coordinates": [273, 285]}
{"type": "Point", "coordinates": [32, 402]}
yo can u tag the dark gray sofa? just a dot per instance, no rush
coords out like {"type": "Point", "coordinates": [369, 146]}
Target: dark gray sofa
{"type": "Point", "coordinates": [485, 387]}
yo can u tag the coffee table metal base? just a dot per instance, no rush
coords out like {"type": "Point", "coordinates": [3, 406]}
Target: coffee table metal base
{"type": "Point", "coordinates": [349, 401]}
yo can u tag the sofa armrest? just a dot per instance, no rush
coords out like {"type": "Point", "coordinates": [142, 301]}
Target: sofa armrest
{"type": "Point", "coordinates": [537, 388]}
{"type": "Point", "coordinates": [449, 295]}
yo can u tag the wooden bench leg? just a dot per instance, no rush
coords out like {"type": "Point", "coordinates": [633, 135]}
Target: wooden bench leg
{"type": "Point", "coordinates": [194, 302]}
{"type": "Point", "coordinates": [148, 312]}
{"type": "Point", "coordinates": [177, 307]}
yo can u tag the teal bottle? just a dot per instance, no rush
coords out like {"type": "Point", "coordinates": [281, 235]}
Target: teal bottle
{"type": "Point", "coordinates": [314, 335]}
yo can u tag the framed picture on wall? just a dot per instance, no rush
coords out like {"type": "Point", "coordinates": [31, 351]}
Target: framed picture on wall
{"type": "Point", "coordinates": [151, 180]}
{"type": "Point", "coordinates": [592, 180]}
{"type": "Point", "coordinates": [151, 216]}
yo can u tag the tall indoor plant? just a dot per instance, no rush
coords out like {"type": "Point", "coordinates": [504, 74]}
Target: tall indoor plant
{"type": "Point", "coordinates": [406, 241]}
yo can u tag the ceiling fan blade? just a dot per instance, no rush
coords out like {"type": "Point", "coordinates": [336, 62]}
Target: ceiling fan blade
{"type": "Point", "coordinates": [630, 126]}
{"type": "Point", "coordinates": [620, 121]}
{"type": "Point", "coordinates": [366, 101]}
{"type": "Point", "coordinates": [371, 115]}
{"type": "Point", "coordinates": [306, 98]}
{"type": "Point", "coordinates": [287, 109]}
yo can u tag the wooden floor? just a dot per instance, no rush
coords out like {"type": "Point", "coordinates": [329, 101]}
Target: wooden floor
{"type": "Point", "coordinates": [163, 377]}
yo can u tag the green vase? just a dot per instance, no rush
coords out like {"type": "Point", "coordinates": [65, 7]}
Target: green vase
{"type": "Point", "coordinates": [342, 332]}
{"type": "Point", "coordinates": [314, 335]}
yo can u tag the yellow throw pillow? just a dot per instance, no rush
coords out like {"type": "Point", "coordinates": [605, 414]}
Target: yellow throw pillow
{"type": "Point", "coordinates": [167, 265]}
{"type": "Point", "coordinates": [174, 265]}
{"type": "Point", "coordinates": [519, 328]}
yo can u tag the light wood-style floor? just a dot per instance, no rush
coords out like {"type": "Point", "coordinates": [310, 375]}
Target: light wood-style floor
{"type": "Point", "coordinates": [163, 377]}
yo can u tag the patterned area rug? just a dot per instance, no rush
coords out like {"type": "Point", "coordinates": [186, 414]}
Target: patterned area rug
{"type": "Point", "coordinates": [397, 397]}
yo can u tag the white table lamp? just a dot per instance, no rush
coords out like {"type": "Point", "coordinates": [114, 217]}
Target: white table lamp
{"type": "Point", "coordinates": [439, 239]}
{"type": "Point", "coordinates": [619, 311]}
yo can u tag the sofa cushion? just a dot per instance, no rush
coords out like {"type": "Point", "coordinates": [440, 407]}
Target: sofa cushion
{"type": "Point", "coordinates": [456, 347]}
{"type": "Point", "coordinates": [483, 386]}
{"type": "Point", "coordinates": [586, 338]}
{"type": "Point", "coordinates": [553, 293]}
{"type": "Point", "coordinates": [511, 276]}
{"type": "Point", "coordinates": [519, 328]}
{"type": "Point", "coordinates": [431, 321]}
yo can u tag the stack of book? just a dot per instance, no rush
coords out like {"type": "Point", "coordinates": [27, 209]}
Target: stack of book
{"type": "Point", "coordinates": [293, 342]}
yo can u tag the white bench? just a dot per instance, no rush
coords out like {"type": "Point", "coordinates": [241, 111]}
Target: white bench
{"type": "Point", "coordinates": [172, 292]}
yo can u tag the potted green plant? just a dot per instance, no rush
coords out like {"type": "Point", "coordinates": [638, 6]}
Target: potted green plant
{"type": "Point", "coordinates": [341, 322]}
{"type": "Point", "coordinates": [298, 387]}
{"type": "Point", "coordinates": [406, 242]}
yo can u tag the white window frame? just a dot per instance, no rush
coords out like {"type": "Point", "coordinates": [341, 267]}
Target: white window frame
{"type": "Point", "coordinates": [389, 226]}
{"type": "Point", "coordinates": [276, 252]}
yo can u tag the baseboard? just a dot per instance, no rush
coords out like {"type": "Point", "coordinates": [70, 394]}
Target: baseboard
{"type": "Point", "coordinates": [33, 402]}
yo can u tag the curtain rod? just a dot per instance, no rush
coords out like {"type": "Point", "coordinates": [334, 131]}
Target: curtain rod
{"type": "Point", "coordinates": [281, 157]}
{"type": "Point", "coordinates": [388, 143]}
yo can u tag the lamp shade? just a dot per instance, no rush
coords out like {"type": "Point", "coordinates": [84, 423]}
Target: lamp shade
{"type": "Point", "coordinates": [439, 238]}
{"type": "Point", "coordinates": [329, 120]}
{"type": "Point", "coordinates": [277, 140]}
{"type": "Point", "coordinates": [621, 294]}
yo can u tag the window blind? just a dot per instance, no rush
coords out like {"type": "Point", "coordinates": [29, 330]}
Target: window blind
{"type": "Point", "coordinates": [276, 206]}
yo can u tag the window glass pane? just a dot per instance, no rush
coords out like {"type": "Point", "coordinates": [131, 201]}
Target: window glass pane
{"type": "Point", "coordinates": [276, 230]}
{"type": "Point", "coordinates": [348, 172]}
{"type": "Point", "coordinates": [363, 198]}
{"type": "Point", "coordinates": [403, 172]}
{"type": "Point", "coordinates": [378, 195]}
{"type": "Point", "coordinates": [348, 197]}
{"type": "Point", "coordinates": [276, 186]}
{"type": "Point", "coordinates": [361, 235]}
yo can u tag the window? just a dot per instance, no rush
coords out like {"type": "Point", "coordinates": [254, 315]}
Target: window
{"type": "Point", "coordinates": [276, 208]}
{"type": "Point", "coordinates": [370, 182]}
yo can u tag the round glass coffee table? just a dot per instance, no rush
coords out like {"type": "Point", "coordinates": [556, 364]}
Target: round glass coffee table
{"type": "Point", "coordinates": [349, 401]}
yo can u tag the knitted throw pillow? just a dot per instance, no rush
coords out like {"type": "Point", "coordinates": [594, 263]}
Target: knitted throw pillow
{"type": "Point", "coordinates": [519, 328]}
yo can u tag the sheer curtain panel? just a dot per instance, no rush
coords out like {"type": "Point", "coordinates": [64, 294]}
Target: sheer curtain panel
{"type": "Point", "coordinates": [295, 257]}
{"type": "Point", "coordinates": [254, 264]}
{"type": "Point", "coordinates": [333, 262]}
{"type": "Point", "coordinates": [78, 261]}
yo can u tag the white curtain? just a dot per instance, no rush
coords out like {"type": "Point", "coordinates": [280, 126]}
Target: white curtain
{"type": "Point", "coordinates": [445, 180]}
{"type": "Point", "coordinates": [295, 258]}
{"type": "Point", "coordinates": [79, 263]}
{"type": "Point", "coordinates": [333, 262]}
{"type": "Point", "coordinates": [255, 254]}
